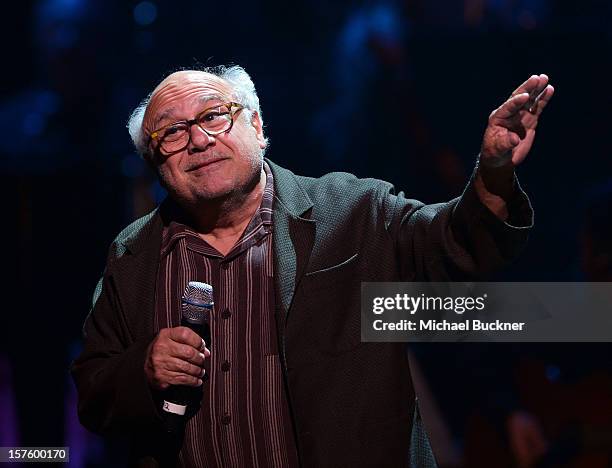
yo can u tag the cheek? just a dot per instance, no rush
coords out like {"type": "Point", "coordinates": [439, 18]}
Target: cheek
{"type": "Point", "coordinates": [169, 173]}
{"type": "Point", "coordinates": [245, 139]}
{"type": "Point", "coordinates": [249, 149]}
{"type": "Point", "coordinates": [162, 175]}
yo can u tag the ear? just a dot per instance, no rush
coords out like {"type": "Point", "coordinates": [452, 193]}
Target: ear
{"type": "Point", "coordinates": [256, 122]}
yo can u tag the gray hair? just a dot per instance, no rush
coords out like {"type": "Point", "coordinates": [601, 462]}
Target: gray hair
{"type": "Point", "coordinates": [243, 90]}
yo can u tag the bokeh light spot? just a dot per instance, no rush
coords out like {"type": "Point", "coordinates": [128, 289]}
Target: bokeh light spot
{"type": "Point", "coordinates": [145, 13]}
{"type": "Point", "coordinates": [33, 124]}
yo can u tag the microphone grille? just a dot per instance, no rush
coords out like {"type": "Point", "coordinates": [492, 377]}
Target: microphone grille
{"type": "Point", "coordinates": [197, 301]}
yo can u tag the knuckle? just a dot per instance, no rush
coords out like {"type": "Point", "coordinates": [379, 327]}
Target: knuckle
{"type": "Point", "coordinates": [156, 361]}
{"type": "Point", "coordinates": [159, 347]}
{"type": "Point", "coordinates": [184, 334]}
{"type": "Point", "coordinates": [183, 379]}
{"type": "Point", "coordinates": [185, 353]}
{"type": "Point", "coordinates": [175, 380]}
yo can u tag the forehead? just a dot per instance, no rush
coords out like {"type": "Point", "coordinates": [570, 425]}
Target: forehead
{"type": "Point", "coordinates": [181, 90]}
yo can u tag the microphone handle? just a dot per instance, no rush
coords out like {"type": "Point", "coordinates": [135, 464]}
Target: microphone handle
{"type": "Point", "coordinates": [203, 330]}
{"type": "Point", "coordinates": [178, 397]}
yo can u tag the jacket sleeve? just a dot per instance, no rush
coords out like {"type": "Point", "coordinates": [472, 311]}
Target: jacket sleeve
{"type": "Point", "coordinates": [114, 395]}
{"type": "Point", "coordinates": [458, 240]}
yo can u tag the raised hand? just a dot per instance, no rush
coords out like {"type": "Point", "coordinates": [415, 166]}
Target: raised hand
{"type": "Point", "coordinates": [511, 129]}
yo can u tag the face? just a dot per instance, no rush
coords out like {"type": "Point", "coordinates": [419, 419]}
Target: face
{"type": "Point", "coordinates": [210, 167]}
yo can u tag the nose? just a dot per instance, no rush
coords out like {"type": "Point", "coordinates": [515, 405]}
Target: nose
{"type": "Point", "coordinates": [199, 140]}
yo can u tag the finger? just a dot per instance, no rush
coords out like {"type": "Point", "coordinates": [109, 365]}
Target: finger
{"type": "Point", "coordinates": [185, 367]}
{"type": "Point", "coordinates": [511, 107]}
{"type": "Point", "coordinates": [187, 353]}
{"type": "Point", "coordinates": [536, 93]}
{"type": "Point", "coordinates": [541, 86]}
{"type": "Point", "coordinates": [528, 85]}
{"type": "Point", "coordinates": [203, 348]}
{"type": "Point", "coordinates": [183, 379]}
{"type": "Point", "coordinates": [186, 336]}
{"type": "Point", "coordinates": [542, 100]}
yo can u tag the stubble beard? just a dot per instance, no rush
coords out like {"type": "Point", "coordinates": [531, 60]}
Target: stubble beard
{"type": "Point", "coordinates": [200, 197]}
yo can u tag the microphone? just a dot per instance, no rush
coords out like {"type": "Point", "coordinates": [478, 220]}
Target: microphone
{"type": "Point", "coordinates": [196, 306]}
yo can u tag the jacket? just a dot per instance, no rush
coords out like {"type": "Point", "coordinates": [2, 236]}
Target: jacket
{"type": "Point", "coordinates": [352, 403]}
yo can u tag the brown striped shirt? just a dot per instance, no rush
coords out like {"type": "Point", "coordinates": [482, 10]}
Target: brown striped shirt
{"type": "Point", "coordinates": [244, 418]}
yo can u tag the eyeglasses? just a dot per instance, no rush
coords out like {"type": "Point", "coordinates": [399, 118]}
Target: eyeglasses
{"type": "Point", "coordinates": [213, 120]}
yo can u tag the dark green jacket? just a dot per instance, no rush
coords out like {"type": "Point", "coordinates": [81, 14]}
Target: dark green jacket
{"type": "Point", "coordinates": [352, 402]}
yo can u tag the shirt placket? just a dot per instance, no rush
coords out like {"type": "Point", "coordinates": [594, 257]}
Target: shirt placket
{"type": "Point", "coordinates": [225, 332]}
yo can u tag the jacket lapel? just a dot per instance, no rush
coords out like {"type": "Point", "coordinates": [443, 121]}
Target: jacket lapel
{"type": "Point", "coordinates": [293, 234]}
{"type": "Point", "coordinates": [135, 276]}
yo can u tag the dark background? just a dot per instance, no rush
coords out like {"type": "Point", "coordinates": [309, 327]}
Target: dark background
{"type": "Point", "coordinates": [399, 90]}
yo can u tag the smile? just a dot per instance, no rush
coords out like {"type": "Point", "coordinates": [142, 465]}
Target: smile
{"type": "Point", "coordinates": [206, 163]}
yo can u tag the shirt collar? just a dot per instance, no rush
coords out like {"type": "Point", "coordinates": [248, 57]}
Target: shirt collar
{"type": "Point", "coordinates": [175, 227]}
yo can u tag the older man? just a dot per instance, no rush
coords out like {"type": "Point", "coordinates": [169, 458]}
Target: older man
{"type": "Point", "coordinates": [290, 382]}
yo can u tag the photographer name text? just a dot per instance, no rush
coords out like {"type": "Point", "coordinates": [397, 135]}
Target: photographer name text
{"type": "Point", "coordinates": [446, 325]}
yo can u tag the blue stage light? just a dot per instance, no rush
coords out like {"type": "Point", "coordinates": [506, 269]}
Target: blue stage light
{"type": "Point", "coordinates": [145, 13]}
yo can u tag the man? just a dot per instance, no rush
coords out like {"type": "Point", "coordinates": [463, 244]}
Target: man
{"type": "Point", "coordinates": [289, 382]}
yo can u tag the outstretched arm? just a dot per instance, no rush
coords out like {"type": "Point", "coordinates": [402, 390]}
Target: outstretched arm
{"type": "Point", "coordinates": [487, 226]}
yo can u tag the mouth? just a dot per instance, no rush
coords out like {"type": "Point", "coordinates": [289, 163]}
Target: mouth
{"type": "Point", "coordinates": [202, 164]}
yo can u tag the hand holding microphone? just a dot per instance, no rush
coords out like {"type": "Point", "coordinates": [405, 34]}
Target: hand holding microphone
{"type": "Point", "coordinates": [176, 357]}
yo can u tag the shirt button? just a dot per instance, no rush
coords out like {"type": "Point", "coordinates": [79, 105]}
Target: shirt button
{"type": "Point", "coordinates": [226, 419]}
{"type": "Point", "coordinates": [225, 366]}
{"type": "Point", "coordinates": [226, 314]}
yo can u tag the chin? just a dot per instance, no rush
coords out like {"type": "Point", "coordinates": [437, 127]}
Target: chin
{"type": "Point", "coordinates": [210, 189]}
{"type": "Point", "coordinates": [203, 195]}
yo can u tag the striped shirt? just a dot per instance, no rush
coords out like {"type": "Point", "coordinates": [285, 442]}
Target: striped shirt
{"type": "Point", "coordinates": [244, 417]}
